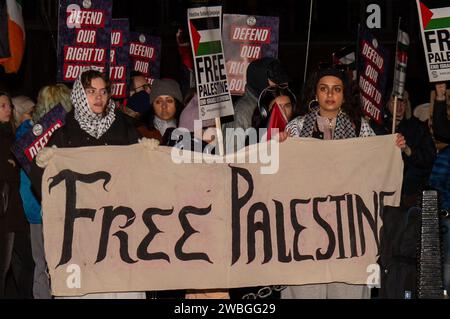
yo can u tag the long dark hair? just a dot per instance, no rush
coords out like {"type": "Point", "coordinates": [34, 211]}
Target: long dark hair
{"type": "Point", "coordinates": [351, 105]}
{"type": "Point", "coordinates": [11, 120]}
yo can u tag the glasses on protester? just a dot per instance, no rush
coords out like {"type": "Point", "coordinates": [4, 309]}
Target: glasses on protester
{"type": "Point", "coordinates": [94, 92]}
{"type": "Point", "coordinates": [141, 88]}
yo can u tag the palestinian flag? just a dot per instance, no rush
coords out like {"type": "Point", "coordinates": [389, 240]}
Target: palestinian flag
{"type": "Point", "coordinates": [346, 57]}
{"type": "Point", "coordinates": [432, 19]}
{"type": "Point", "coordinates": [277, 120]}
{"type": "Point", "coordinates": [206, 35]}
{"type": "Point", "coordinates": [402, 47]}
{"type": "Point", "coordinates": [15, 34]}
{"type": "Point", "coordinates": [401, 63]}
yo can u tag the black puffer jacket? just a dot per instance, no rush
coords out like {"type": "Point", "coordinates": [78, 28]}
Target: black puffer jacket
{"type": "Point", "coordinates": [13, 220]}
{"type": "Point", "coordinates": [441, 123]}
{"type": "Point", "coordinates": [121, 132]}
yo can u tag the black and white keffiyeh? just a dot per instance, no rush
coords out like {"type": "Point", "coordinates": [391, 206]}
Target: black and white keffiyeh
{"type": "Point", "coordinates": [94, 124]}
{"type": "Point", "coordinates": [344, 128]}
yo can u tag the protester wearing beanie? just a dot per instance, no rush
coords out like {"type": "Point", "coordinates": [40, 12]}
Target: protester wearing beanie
{"type": "Point", "coordinates": [167, 103]}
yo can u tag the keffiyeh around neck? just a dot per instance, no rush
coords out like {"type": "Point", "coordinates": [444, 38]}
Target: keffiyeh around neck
{"type": "Point", "coordinates": [94, 124]}
{"type": "Point", "coordinates": [343, 126]}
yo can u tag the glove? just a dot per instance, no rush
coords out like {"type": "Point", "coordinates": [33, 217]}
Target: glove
{"type": "Point", "coordinates": [149, 143]}
{"type": "Point", "coordinates": [44, 156]}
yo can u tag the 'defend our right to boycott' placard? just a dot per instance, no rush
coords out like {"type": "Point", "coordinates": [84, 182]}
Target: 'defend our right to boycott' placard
{"type": "Point", "coordinates": [205, 29]}
{"type": "Point", "coordinates": [435, 29]}
{"type": "Point", "coordinates": [247, 38]}
{"type": "Point", "coordinates": [373, 68]}
{"type": "Point", "coordinates": [84, 37]}
{"type": "Point", "coordinates": [145, 54]}
{"type": "Point", "coordinates": [119, 72]}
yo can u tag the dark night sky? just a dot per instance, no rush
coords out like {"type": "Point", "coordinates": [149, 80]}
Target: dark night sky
{"type": "Point", "coordinates": [334, 25]}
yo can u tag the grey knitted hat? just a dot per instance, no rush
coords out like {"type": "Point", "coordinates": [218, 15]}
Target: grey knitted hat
{"type": "Point", "coordinates": [165, 87]}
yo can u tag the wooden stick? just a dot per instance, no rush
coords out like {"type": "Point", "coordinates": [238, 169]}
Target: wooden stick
{"type": "Point", "coordinates": [394, 115]}
{"type": "Point", "coordinates": [219, 136]}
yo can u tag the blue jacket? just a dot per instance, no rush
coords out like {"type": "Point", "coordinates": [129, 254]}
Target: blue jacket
{"type": "Point", "coordinates": [31, 205]}
{"type": "Point", "coordinates": [440, 177]}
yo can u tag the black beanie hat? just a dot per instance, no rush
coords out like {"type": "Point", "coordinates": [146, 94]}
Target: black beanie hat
{"type": "Point", "coordinates": [262, 70]}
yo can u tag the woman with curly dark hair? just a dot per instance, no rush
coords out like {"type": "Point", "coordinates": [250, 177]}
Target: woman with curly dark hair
{"type": "Point", "coordinates": [333, 113]}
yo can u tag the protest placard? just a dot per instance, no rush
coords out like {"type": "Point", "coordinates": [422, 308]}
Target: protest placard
{"type": "Point", "coordinates": [119, 72]}
{"type": "Point", "coordinates": [145, 54]}
{"type": "Point", "coordinates": [84, 37]}
{"type": "Point", "coordinates": [247, 38]}
{"type": "Point", "coordinates": [205, 29]}
{"type": "Point", "coordinates": [435, 30]}
{"type": "Point", "coordinates": [373, 68]}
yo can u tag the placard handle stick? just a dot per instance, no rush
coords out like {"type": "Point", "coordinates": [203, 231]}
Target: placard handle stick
{"type": "Point", "coordinates": [219, 136]}
{"type": "Point", "coordinates": [394, 115]}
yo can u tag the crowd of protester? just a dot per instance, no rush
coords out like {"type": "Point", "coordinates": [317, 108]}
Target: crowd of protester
{"type": "Point", "coordinates": [326, 110]}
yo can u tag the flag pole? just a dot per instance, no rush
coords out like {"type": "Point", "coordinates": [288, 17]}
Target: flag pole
{"type": "Point", "coordinates": [357, 58]}
{"type": "Point", "coordinates": [307, 45]}
{"type": "Point", "coordinates": [219, 136]}
{"type": "Point", "coordinates": [394, 115]}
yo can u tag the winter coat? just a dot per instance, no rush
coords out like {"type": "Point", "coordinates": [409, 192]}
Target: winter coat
{"type": "Point", "coordinates": [243, 114]}
{"type": "Point", "coordinates": [418, 166]}
{"type": "Point", "coordinates": [423, 154]}
{"type": "Point", "coordinates": [121, 132]}
{"type": "Point", "coordinates": [441, 123]}
{"type": "Point", "coordinates": [13, 219]}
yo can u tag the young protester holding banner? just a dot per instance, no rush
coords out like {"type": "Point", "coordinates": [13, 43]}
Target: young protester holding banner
{"type": "Point", "coordinates": [93, 122]}
{"type": "Point", "coordinates": [15, 250]}
{"type": "Point", "coordinates": [332, 115]}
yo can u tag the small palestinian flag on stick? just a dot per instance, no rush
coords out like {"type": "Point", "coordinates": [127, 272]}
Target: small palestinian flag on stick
{"type": "Point", "coordinates": [346, 58]}
{"type": "Point", "coordinates": [401, 62]}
